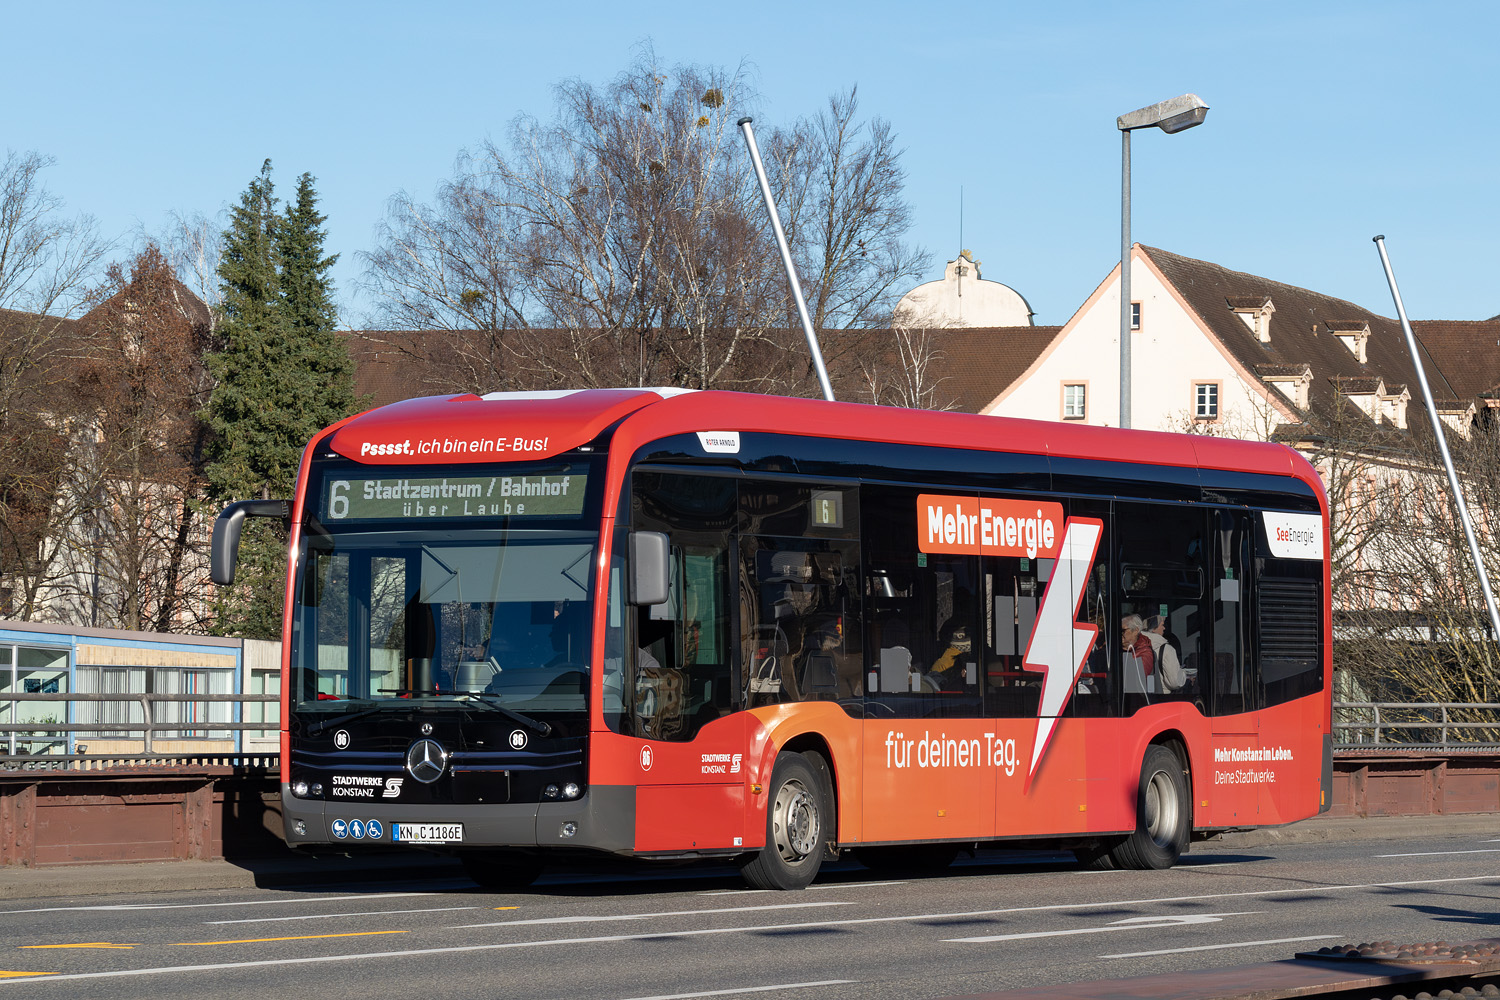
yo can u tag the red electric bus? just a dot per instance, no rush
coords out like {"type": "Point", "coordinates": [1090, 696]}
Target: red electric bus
{"type": "Point", "coordinates": [673, 624]}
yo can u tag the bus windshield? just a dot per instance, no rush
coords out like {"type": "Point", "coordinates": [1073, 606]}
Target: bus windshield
{"type": "Point", "coordinates": [495, 616]}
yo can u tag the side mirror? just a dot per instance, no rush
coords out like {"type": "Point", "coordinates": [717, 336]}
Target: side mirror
{"type": "Point", "coordinates": [648, 567]}
{"type": "Point", "coordinates": [225, 547]}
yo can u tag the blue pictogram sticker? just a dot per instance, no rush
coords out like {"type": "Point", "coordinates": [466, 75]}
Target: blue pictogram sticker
{"type": "Point", "coordinates": [374, 830]}
{"type": "Point", "coordinates": [357, 829]}
{"type": "Point", "coordinates": [340, 829]}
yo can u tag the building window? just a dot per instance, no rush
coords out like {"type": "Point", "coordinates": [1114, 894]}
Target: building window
{"type": "Point", "coordinates": [1135, 315]}
{"type": "Point", "coordinates": [1075, 402]}
{"type": "Point", "coordinates": [1206, 401]}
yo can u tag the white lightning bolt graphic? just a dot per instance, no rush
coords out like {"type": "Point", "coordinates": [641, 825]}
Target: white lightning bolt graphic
{"type": "Point", "coordinates": [1059, 645]}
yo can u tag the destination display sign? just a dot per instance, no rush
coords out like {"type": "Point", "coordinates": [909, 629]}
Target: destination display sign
{"type": "Point", "coordinates": [400, 498]}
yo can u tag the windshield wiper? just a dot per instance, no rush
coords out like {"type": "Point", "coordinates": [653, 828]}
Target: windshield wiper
{"type": "Point", "coordinates": [542, 728]}
{"type": "Point", "coordinates": [322, 724]}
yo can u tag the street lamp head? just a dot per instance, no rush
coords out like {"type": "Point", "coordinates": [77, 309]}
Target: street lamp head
{"type": "Point", "coordinates": [1177, 115]}
{"type": "Point", "coordinates": [1184, 121]}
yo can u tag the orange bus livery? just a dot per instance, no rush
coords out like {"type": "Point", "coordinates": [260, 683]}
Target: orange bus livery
{"type": "Point", "coordinates": [673, 624]}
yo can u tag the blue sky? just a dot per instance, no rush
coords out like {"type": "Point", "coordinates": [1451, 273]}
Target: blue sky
{"type": "Point", "coordinates": [1330, 121]}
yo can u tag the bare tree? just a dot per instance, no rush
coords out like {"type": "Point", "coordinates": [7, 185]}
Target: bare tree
{"type": "Point", "coordinates": [849, 219]}
{"type": "Point", "coordinates": [193, 246]}
{"type": "Point", "coordinates": [900, 369]}
{"type": "Point", "coordinates": [47, 261]}
{"type": "Point", "coordinates": [624, 242]}
{"type": "Point", "coordinates": [145, 384]}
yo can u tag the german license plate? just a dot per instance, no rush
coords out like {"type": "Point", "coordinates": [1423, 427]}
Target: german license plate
{"type": "Point", "coordinates": [428, 833]}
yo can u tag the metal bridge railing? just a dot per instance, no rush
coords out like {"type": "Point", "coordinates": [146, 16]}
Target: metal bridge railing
{"type": "Point", "coordinates": [58, 733]}
{"type": "Point", "coordinates": [1419, 725]}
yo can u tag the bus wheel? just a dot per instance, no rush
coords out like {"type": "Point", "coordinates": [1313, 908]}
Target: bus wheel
{"type": "Point", "coordinates": [1162, 814]}
{"type": "Point", "coordinates": [502, 869]}
{"type": "Point", "coordinates": [795, 824]}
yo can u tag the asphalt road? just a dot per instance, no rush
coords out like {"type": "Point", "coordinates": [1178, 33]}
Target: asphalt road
{"type": "Point", "coordinates": [996, 922]}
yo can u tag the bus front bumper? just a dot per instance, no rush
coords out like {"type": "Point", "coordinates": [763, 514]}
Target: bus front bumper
{"type": "Point", "coordinates": [603, 819]}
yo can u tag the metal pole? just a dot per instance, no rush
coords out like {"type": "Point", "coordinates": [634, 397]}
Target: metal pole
{"type": "Point", "coordinates": [1125, 278]}
{"type": "Point", "coordinates": [1442, 440]}
{"type": "Point", "coordinates": [786, 259]}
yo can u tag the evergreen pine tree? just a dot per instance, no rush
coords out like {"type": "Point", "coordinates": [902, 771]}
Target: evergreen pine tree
{"type": "Point", "coordinates": [281, 373]}
{"type": "Point", "coordinates": [307, 305]}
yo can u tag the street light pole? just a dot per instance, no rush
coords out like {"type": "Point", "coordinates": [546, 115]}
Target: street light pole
{"type": "Point", "coordinates": [1125, 277]}
{"type": "Point", "coordinates": [1177, 115]}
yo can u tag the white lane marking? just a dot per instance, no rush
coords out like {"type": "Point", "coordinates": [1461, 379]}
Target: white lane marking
{"type": "Point", "coordinates": [1128, 924]}
{"type": "Point", "coordinates": [828, 885]}
{"type": "Point", "coordinates": [329, 916]}
{"type": "Point", "coordinates": [1430, 854]}
{"type": "Point", "coordinates": [1216, 947]}
{"type": "Point", "coordinates": [112, 907]}
{"type": "Point", "coordinates": [748, 989]}
{"type": "Point", "coordinates": [584, 919]}
{"type": "Point", "coordinates": [699, 932]}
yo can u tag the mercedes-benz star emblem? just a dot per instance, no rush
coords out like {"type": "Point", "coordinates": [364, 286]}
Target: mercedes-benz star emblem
{"type": "Point", "coordinates": [426, 761]}
{"type": "Point", "coordinates": [426, 729]}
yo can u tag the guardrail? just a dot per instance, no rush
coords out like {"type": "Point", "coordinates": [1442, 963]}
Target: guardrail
{"type": "Point", "coordinates": [1458, 726]}
{"type": "Point", "coordinates": [147, 729]}
{"type": "Point", "coordinates": [1357, 725]}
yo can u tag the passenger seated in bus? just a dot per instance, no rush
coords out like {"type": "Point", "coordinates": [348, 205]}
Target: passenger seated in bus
{"type": "Point", "coordinates": [952, 667]}
{"type": "Point", "coordinates": [1169, 675]}
{"type": "Point", "coordinates": [1134, 642]}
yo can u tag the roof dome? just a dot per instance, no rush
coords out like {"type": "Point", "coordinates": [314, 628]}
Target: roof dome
{"type": "Point", "coordinates": [961, 299]}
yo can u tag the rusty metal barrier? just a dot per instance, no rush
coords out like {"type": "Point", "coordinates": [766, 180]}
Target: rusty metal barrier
{"type": "Point", "coordinates": [81, 808]}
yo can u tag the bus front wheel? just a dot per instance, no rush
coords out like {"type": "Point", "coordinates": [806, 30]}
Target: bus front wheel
{"type": "Point", "coordinates": [1163, 814]}
{"type": "Point", "coordinates": [797, 824]}
{"type": "Point", "coordinates": [502, 869]}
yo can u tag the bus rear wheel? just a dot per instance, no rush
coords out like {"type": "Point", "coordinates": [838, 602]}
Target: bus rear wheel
{"type": "Point", "coordinates": [798, 817]}
{"type": "Point", "coordinates": [502, 869]}
{"type": "Point", "coordinates": [1163, 814]}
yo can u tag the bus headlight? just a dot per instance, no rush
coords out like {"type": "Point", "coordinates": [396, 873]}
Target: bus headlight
{"type": "Point", "coordinates": [299, 789]}
{"type": "Point", "coordinates": [570, 790]}
{"type": "Point", "coordinates": [316, 790]}
{"type": "Point", "coordinates": [569, 829]}
{"type": "Point", "coordinates": [300, 828]}
{"type": "Point", "coordinates": [550, 792]}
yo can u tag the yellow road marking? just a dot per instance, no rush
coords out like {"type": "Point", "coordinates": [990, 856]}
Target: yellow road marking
{"type": "Point", "coordinates": [4, 974]}
{"type": "Point", "coordinates": [505, 907]}
{"type": "Point", "coordinates": [89, 944]}
{"type": "Point", "coordinates": [300, 937]}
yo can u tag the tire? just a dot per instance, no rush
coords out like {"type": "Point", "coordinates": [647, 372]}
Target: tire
{"type": "Point", "coordinates": [914, 858]}
{"type": "Point", "coordinates": [502, 869]}
{"type": "Point", "coordinates": [798, 824]}
{"type": "Point", "coordinates": [1098, 856]}
{"type": "Point", "coordinates": [1163, 814]}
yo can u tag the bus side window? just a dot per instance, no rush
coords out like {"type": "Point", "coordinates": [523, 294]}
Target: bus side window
{"type": "Point", "coordinates": [1013, 592]}
{"type": "Point", "coordinates": [1227, 588]}
{"type": "Point", "coordinates": [1288, 622]}
{"type": "Point", "coordinates": [1160, 559]}
{"type": "Point", "coordinates": [923, 611]}
{"type": "Point", "coordinates": [1097, 693]}
{"type": "Point", "coordinates": [678, 651]}
{"type": "Point", "coordinates": [797, 614]}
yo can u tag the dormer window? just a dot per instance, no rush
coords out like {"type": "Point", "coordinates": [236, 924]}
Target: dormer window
{"type": "Point", "coordinates": [1393, 405]}
{"type": "Point", "coordinates": [1353, 334]}
{"type": "Point", "coordinates": [1366, 393]}
{"type": "Point", "coordinates": [1292, 381]}
{"type": "Point", "coordinates": [1255, 312]}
